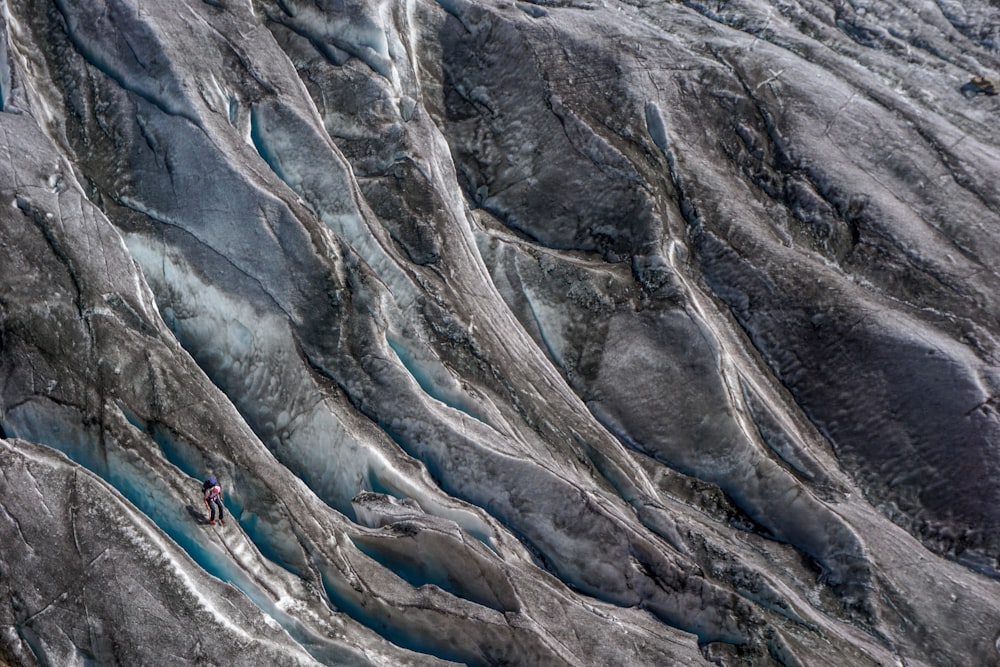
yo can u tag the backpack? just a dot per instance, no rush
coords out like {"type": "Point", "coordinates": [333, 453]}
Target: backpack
{"type": "Point", "coordinates": [208, 484]}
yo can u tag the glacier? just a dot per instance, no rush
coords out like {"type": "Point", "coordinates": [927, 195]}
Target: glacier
{"type": "Point", "coordinates": [554, 332]}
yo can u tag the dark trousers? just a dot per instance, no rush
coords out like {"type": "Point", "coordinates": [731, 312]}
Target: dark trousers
{"type": "Point", "coordinates": [212, 504]}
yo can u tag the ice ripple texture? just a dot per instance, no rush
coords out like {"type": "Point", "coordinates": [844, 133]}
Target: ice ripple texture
{"type": "Point", "coordinates": [532, 333]}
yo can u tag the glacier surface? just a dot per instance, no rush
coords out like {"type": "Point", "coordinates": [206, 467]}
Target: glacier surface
{"type": "Point", "coordinates": [518, 333]}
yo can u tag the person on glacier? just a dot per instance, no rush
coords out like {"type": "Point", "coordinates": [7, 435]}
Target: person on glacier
{"type": "Point", "coordinates": [213, 499]}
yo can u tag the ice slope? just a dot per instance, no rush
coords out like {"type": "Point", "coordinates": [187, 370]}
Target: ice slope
{"type": "Point", "coordinates": [531, 333]}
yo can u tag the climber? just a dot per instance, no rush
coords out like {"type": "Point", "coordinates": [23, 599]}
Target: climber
{"type": "Point", "coordinates": [213, 499]}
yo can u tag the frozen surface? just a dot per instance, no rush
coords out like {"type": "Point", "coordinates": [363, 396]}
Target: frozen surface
{"type": "Point", "coordinates": [552, 333]}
